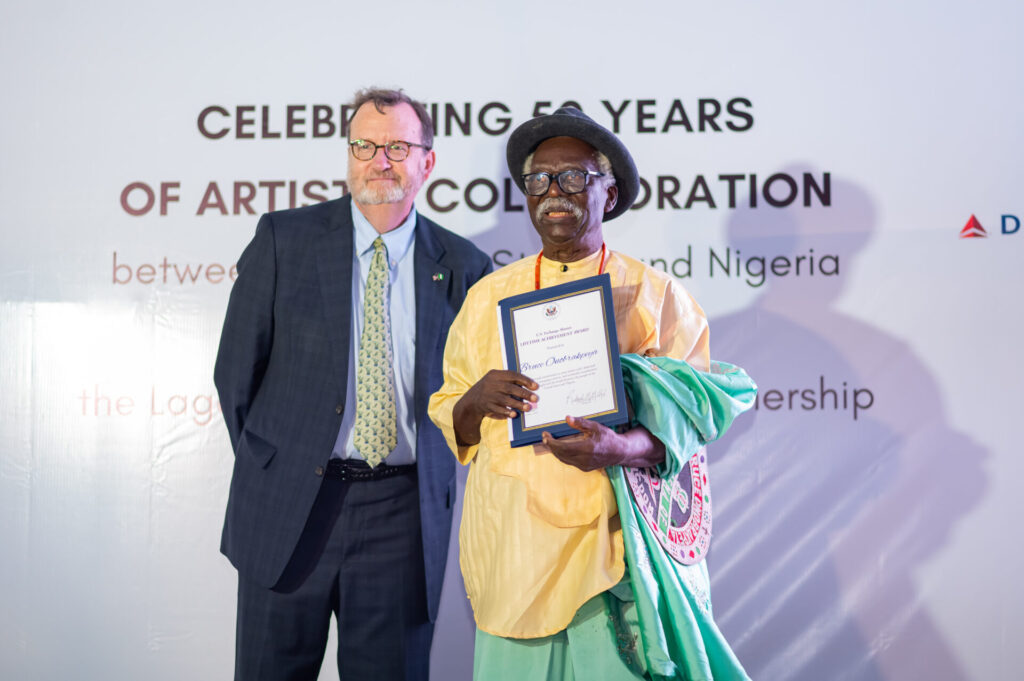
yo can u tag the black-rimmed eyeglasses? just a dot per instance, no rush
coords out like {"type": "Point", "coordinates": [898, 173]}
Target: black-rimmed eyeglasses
{"type": "Point", "coordinates": [569, 181]}
{"type": "Point", "coordinates": [396, 151]}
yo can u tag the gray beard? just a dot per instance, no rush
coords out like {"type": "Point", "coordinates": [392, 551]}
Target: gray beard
{"type": "Point", "coordinates": [370, 197]}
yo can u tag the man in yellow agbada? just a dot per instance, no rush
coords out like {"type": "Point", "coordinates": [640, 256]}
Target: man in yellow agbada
{"type": "Point", "coordinates": [557, 590]}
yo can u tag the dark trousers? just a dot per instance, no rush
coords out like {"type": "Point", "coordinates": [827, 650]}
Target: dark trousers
{"type": "Point", "coordinates": [360, 557]}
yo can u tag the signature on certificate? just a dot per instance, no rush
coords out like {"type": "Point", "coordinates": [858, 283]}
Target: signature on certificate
{"type": "Point", "coordinates": [586, 398]}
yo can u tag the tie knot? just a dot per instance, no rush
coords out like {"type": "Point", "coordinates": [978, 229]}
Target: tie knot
{"type": "Point", "coordinates": [379, 247]}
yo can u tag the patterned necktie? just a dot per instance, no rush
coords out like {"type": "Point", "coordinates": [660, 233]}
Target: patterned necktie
{"type": "Point", "coordinates": [376, 429]}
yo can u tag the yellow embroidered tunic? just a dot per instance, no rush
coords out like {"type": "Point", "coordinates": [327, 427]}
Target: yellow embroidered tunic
{"type": "Point", "coordinates": [539, 537]}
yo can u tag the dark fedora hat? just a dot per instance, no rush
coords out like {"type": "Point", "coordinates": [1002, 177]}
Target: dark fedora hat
{"type": "Point", "coordinates": [571, 122]}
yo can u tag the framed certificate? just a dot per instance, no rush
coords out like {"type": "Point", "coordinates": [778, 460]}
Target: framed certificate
{"type": "Point", "coordinates": [563, 337]}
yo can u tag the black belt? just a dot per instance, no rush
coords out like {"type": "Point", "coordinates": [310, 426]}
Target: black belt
{"type": "Point", "coordinates": [355, 470]}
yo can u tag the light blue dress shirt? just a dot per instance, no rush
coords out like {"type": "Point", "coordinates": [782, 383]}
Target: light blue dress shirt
{"type": "Point", "coordinates": [401, 246]}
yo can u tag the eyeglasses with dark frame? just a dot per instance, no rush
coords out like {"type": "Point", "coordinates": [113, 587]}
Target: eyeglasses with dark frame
{"type": "Point", "coordinates": [569, 181]}
{"type": "Point", "coordinates": [396, 151]}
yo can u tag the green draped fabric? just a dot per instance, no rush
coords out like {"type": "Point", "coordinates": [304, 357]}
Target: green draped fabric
{"type": "Point", "coordinates": [685, 409]}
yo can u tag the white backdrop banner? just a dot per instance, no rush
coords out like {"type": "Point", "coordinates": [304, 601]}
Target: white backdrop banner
{"type": "Point", "coordinates": [839, 186]}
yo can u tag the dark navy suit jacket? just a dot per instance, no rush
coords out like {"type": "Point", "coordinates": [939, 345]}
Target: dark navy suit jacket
{"type": "Point", "coordinates": [282, 373]}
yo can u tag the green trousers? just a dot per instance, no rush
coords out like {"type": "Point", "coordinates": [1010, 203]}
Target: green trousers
{"type": "Point", "coordinates": [601, 642]}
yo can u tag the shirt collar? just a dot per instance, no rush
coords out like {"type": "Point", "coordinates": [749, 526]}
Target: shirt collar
{"type": "Point", "coordinates": [397, 240]}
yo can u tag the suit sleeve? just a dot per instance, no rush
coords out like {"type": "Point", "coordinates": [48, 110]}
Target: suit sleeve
{"type": "Point", "coordinates": [248, 332]}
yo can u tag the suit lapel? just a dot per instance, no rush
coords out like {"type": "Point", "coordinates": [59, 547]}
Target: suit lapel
{"type": "Point", "coordinates": [433, 283]}
{"type": "Point", "coordinates": [334, 267]}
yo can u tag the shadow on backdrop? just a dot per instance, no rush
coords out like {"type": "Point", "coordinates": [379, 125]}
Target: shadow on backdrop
{"type": "Point", "coordinates": [831, 509]}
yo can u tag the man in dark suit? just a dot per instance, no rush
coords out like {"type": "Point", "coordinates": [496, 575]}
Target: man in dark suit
{"type": "Point", "coordinates": [337, 503]}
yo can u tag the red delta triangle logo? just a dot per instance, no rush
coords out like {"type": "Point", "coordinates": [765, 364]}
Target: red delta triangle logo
{"type": "Point", "coordinates": [973, 229]}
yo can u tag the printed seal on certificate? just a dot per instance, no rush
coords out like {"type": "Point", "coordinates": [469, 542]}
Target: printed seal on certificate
{"type": "Point", "coordinates": [563, 337]}
{"type": "Point", "coordinates": [678, 510]}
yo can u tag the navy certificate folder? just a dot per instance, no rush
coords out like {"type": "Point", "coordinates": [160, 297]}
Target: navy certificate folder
{"type": "Point", "coordinates": [563, 337]}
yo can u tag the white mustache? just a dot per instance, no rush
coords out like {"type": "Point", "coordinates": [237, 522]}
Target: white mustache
{"type": "Point", "coordinates": [554, 203]}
